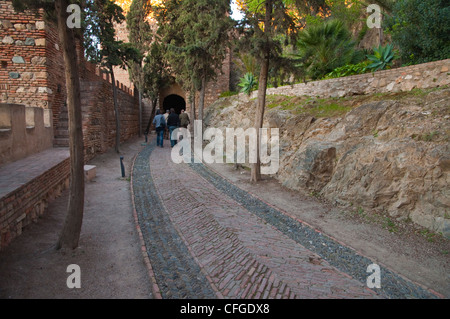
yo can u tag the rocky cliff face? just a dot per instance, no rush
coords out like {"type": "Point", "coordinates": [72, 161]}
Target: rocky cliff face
{"type": "Point", "coordinates": [388, 153]}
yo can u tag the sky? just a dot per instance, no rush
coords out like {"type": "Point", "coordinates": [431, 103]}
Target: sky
{"type": "Point", "coordinates": [235, 14]}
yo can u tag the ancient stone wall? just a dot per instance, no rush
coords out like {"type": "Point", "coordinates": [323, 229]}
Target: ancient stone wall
{"type": "Point", "coordinates": [23, 131]}
{"type": "Point", "coordinates": [23, 58]}
{"type": "Point", "coordinates": [421, 76]}
{"type": "Point", "coordinates": [32, 74]}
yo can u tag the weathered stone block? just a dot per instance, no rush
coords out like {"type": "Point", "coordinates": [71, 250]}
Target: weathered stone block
{"type": "Point", "coordinates": [30, 41]}
{"type": "Point", "coordinates": [6, 24]}
{"type": "Point", "coordinates": [90, 171]}
{"type": "Point", "coordinates": [14, 75]}
{"type": "Point", "coordinates": [27, 76]}
{"type": "Point", "coordinates": [40, 25]}
{"type": "Point", "coordinates": [38, 60]}
{"type": "Point", "coordinates": [45, 90]}
{"type": "Point", "coordinates": [40, 42]}
{"type": "Point", "coordinates": [19, 26]}
{"type": "Point", "coordinates": [8, 40]}
{"type": "Point", "coordinates": [18, 59]}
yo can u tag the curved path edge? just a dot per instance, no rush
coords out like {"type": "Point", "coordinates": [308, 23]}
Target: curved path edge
{"type": "Point", "coordinates": [398, 286]}
{"type": "Point", "coordinates": [155, 288]}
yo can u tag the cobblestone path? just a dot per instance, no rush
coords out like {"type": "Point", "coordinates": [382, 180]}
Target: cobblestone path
{"type": "Point", "coordinates": [206, 238]}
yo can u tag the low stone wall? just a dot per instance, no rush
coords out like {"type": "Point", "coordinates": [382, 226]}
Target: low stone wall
{"type": "Point", "coordinates": [421, 76]}
{"type": "Point", "coordinates": [26, 203]}
{"type": "Point", "coordinates": [23, 131]}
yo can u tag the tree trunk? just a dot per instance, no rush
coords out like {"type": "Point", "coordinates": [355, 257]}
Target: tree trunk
{"type": "Point", "coordinates": [192, 110]}
{"type": "Point", "coordinates": [201, 102]}
{"type": "Point", "coordinates": [255, 174]}
{"type": "Point", "coordinates": [140, 113]}
{"type": "Point", "coordinates": [152, 115]}
{"type": "Point", "coordinates": [116, 110]}
{"type": "Point", "coordinates": [70, 233]}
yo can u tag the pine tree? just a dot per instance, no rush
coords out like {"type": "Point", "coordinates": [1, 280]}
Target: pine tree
{"type": "Point", "coordinates": [197, 33]}
{"type": "Point", "coordinates": [103, 48]}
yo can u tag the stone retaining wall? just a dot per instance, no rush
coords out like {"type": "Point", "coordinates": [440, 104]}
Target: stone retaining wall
{"type": "Point", "coordinates": [421, 76]}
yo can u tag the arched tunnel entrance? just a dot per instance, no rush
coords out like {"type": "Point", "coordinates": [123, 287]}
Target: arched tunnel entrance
{"type": "Point", "coordinates": [174, 101]}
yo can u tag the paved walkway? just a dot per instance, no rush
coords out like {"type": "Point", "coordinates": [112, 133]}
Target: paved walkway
{"type": "Point", "coordinates": [206, 238]}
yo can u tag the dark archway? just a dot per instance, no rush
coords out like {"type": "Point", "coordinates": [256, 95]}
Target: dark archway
{"type": "Point", "coordinates": [174, 101]}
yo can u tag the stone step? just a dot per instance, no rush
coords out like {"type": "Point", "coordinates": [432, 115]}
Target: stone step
{"type": "Point", "coordinates": [61, 142]}
{"type": "Point", "coordinates": [61, 132]}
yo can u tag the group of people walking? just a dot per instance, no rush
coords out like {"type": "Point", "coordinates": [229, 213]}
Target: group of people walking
{"type": "Point", "coordinates": [166, 123]}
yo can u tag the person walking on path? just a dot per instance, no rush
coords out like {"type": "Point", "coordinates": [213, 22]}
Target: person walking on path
{"type": "Point", "coordinates": [166, 131]}
{"type": "Point", "coordinates": [184, 119]}
{"type": "Point", "coordinates": [160, 125]}
{"type": "Point", "coordinates": [173, 121]}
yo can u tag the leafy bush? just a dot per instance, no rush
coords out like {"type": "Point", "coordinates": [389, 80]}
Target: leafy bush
{"type": "Point", "coordinates": [382, 57]}
{"type": "Point", "coordinates": [228, 93]}
{"type": "Point", "coordinates": [324, 47]}
{"type": "Point", "coordinates": [349, 69]}
{"type": "Point", "coordinates": [421, 30]}
{"type": "Point", "coordinates": [248, 83]}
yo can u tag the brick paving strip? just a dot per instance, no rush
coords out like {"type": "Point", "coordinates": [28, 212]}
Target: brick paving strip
{"type": "Point", "coordinates": [207, 238]}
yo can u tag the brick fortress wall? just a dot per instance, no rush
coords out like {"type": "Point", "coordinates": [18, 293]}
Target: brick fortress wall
{"type": "Point", "coordinates": [32, 74]}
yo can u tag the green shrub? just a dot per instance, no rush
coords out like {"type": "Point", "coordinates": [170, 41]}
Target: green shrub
{"type": "Point", "coordinates": [349, 69]}
{"type": "Point", "coordinates": [324, 47]}
{"type": "Point", "coordinates": [420, 29]}
{"type": "Point", "coordinates": [248, 83]}
{"type": "Point", "coordinates": [228, 93]}
{"type": "Point", "coordinates": [382, 57]}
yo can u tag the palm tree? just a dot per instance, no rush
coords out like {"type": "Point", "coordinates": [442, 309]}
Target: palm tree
{"type": "Point", "coordinates": [324, 47]}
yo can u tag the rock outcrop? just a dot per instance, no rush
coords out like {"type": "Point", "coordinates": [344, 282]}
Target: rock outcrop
{"type": "Point", "coordinates": [388, 154]}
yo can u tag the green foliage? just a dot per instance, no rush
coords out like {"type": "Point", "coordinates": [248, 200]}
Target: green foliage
{"type": "Point", "coordinates": [246, 63]}
{"type": "Point", "coordinates": [266, 41]}
{"type": "Point", "coordinates": [325, 47]}
{"type": "Point", "coordinates": [349, 69]}
{"type": "Point", "coordinates": [346, 11]}
{"type": "Point", "coordinates": [153, 74]}
{"type": "Point", "coordinates": [227, 94]}
{"type": "Point", "coordinates": [248, 83]}
{"type": "Point", "coordinates": [197, 35]}
{"type": "Point", "coordinates": [382, 58]}
{"type": "Point", "coordinates": [420, 29]}
{"type": "Point", "coordinates": [99, 38]}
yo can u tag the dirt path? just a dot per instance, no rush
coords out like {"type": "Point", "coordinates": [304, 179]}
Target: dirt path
{"type": "Point", "coordinates": [109, 255]}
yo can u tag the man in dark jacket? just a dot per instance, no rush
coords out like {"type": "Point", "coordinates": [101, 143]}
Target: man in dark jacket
{"type": "Point", "coordinates": [173, 121]}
